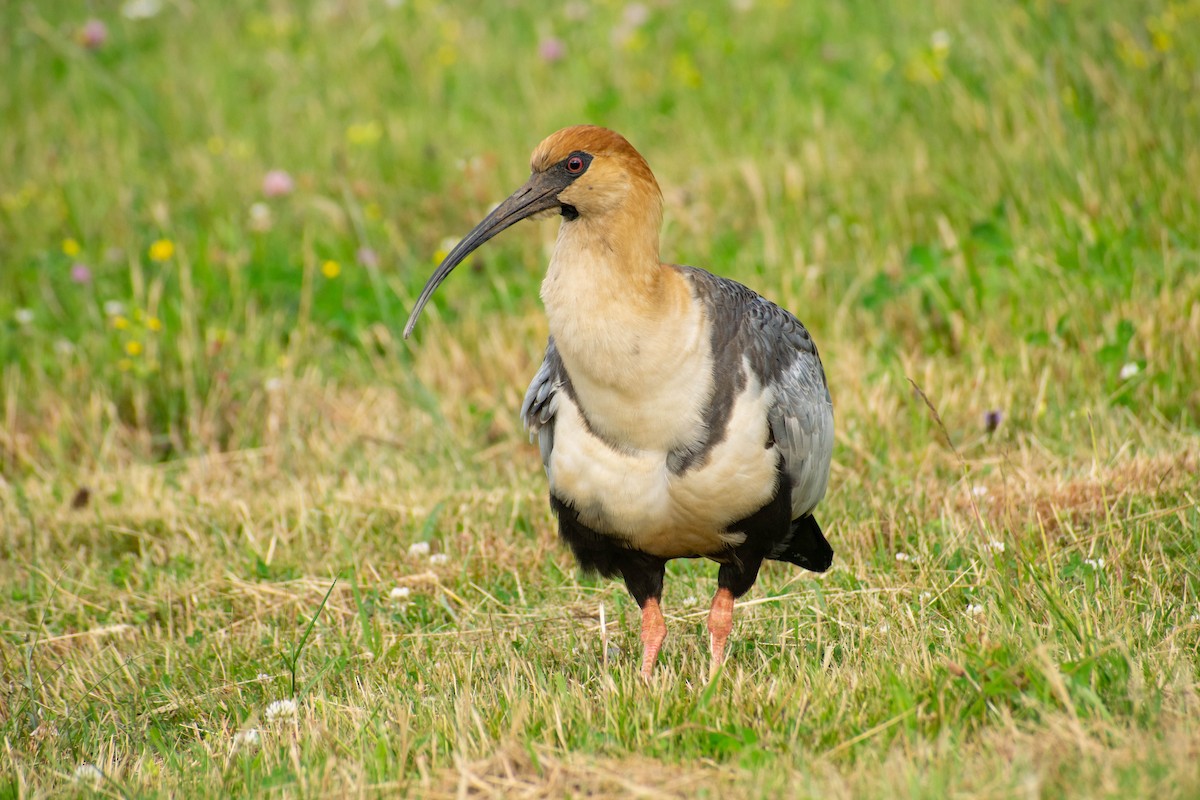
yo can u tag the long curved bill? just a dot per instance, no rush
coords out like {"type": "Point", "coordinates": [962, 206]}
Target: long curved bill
{"type": "Point", "coordinates": [540, 193]}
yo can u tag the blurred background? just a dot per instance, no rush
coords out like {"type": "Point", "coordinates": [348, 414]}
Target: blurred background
{"type": "Point", "coordinates": [201, 201]}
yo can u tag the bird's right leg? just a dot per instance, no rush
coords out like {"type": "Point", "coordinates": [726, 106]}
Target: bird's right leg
{"type": "Point", "coordinates": [644, 577]}
{"type": "Point", "coordinates": [720, 623]}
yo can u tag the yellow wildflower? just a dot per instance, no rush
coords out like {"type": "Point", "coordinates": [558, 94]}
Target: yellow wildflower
{"type": "Point", "coordinates": [70, 247]}
{"type": "Point", "coordinates": [684, 69]}
{"type": "Point", "coordinates": [120, 322]}
{"type": "Point", "coordinates": [331, 269]}
{"type": "Point", "coordinates": [154, 324]}
{"type": "Point", "coordinates": [133, 348]}
{"type": "Point", "coordinates": [162, 250]}
{"type": "Point", "coordinates": [124, 365]}
{"type": "Point", "coordinates": [15, 201]}
{"type": "Point", "coordinates": [364, 133]}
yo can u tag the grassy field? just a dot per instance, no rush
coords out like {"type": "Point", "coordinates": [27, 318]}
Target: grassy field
{"type": "Point", "coordinates": [254, 543]}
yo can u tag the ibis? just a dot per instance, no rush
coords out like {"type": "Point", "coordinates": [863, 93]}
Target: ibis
{"type": "Point", "coordinates": [679, 414]}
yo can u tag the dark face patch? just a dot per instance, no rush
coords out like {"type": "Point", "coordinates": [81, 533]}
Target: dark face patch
{"type": "Point", "coordinates": [566, 171]}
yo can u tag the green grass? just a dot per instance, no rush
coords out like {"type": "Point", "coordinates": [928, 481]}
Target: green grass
{"type": "Point", "coordinates": [1004, 214]}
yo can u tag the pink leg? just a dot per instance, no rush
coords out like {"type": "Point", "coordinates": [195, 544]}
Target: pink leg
{"type": "Point", "coordinates": [654, 630]}
{"type": "Point", "coordinates": [720, 623]}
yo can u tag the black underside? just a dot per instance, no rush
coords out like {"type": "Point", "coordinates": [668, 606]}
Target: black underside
{"type": "Point", "coordinates": [770, 534]}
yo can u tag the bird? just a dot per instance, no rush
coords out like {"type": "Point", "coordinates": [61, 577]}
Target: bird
{"type": "Point", "coordinates": [678, 414]}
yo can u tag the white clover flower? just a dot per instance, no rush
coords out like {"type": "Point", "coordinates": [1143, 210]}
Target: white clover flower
{"type": "Point", "coordinates": [113, 308]}
{"type": "Point", "coordinates": [281, 709]}
{"type": "Point", "coordinates": [64, 347]}
{"type": "Point", "coordinates": [247, 739]}
{"type": "Point", "coordinates": [883, 627]}
{"type": "Point", "coordinates": [400, 593]}
{"type": "Point", "coordinates": [88, 773]}
{"type": "Point", "coordinates": [691, 600]}
{"type": "Point", "coordinates": [418, 549]}
{"type": "Point", "coordinates": [974, 609]}
{"type": "Point", "coordinates": [1094, 563]}
{"type": "Point", "coordinates": [262, 677]}
{"type": "Point", "coordinates": [995, 545]}
{"type": "Point", "coordinates": [438, 559]}
{"type": "Point", "coordinates": [273, 385]}
{"type": "Point", "coordinates": [979, 490]}
{"type": "Point", "coordinates": [260, 217]}
{"type": "Point", "coordinates": [141, 9]}
{"type": "Point", "coordinates": [23, 316]}
{"type": "Point", "coordinates": [1129, 370]}
{"type": "Point", "coordinates": [925, 597]}
{"type": "Point", "coordinates": [902, 556]}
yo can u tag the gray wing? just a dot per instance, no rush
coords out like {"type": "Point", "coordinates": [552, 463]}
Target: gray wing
{"type": "Point", "coordinates": [783, 356]}
{"type": "Point", "coordinates": [541, 402]}
{"type": "Point", "coordinates": [801, 418]}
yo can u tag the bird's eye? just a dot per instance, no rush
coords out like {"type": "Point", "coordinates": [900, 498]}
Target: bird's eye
{"type": "Point", "coordinates": [575, 165]}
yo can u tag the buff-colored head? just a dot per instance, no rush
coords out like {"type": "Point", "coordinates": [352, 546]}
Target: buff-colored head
{"type": "Point", "coordinates": [592, 176]}
{"type": "Point", "coordinates": [607, 174]}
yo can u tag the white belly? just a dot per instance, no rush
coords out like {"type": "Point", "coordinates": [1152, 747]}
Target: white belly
{"type": "Point", "coordinates": [633, 495]}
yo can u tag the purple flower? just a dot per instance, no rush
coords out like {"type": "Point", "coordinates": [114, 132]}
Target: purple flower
{"type": "Point", "coordinates": [367, 257]}
{"type": "Point", "coordinates": [277, 183]}
{"type": "Point", "coordinates": [93, 34]}
{"type": "Point", "coordinates": [551, 50]}
{"type": "Point", "coordinates": [992, 419]}
{"type": "Point", "coordinates": [81, 274]}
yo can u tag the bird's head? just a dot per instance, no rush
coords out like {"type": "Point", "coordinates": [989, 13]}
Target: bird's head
{"type": "Point", "coordinates": [586, 173]}
{"type": "Point", "coordinates": [599, 171]}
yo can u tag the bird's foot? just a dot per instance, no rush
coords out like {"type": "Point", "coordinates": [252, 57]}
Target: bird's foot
{"type": "Point", "coordinates": [720, 623]}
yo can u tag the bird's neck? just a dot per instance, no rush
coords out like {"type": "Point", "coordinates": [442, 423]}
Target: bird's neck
{"type": "Point", "coordinates": [620, 319]}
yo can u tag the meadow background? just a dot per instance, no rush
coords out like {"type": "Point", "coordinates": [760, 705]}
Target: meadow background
{"type": "Point", "coordinates": [254, 543]}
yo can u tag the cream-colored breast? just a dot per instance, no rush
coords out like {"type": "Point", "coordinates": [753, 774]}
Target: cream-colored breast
{"type": "Point", "coordinates": [633, 494]}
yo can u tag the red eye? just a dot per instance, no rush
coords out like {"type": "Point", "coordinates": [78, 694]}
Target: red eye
{"type": "Point", "coordinates": [575, 165]}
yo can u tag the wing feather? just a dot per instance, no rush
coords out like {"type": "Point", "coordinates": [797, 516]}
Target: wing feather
{"type": "Point", "coordinates": [541, 402]}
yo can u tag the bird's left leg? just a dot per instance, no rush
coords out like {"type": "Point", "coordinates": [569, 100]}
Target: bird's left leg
{"type": "Point", "coordinates": [654, 632]}
{"type": "Point", "coordinates": [644, 578]}
{"type": "Point", "coordinates": [733, 580]}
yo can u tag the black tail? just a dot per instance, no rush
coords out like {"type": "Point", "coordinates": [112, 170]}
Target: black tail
{"type": "Point", "coordinates": [805, 546]}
